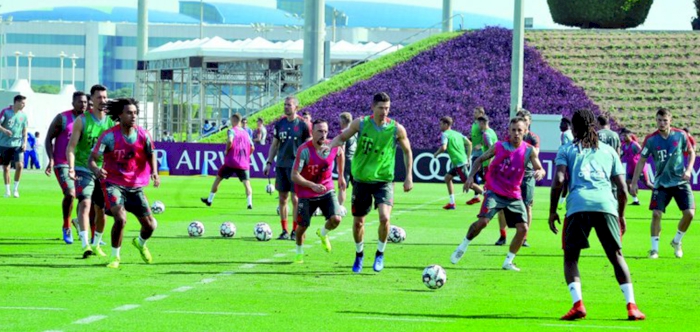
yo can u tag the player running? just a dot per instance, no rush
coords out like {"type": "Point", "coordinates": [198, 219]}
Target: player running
{"type": "Point", "coordinates": [239, 147]}
{"type": "Point", "coordinates": [86, 130]}
{"type": "Point", "coordinates": [631, 152]}
{"type": "Point", "coordinates": [591, 205]}
{"type": "Point", "coordinates": [349, 152]}
{"type": "Point", "coordinates": [527, 188]}
{"type": "Point", "coordinates": [13, 141]}
{"type": "Point", "coordinates": [459, 148]}
{"type": "Point", "coordinates": [313, 184]}
{"type": "Point", "coordinates": [503, 181]}
{"type": "Point", "coordinates": [373, 172]}
{"type": "Point", "coordinates": [489, 138]}
{"type": "Point", "coordinates": [666, 146]}
{"type": "Point", "coordinates": [60, 130]}
{"type": "Point", "coordinates": [290, 132]}
{"type": "Point", "coordinates": [129, 164]}
{"type": "Point", "coordinates": [565, 138]}
{"type": "Point", "coordinates": [477, 149]}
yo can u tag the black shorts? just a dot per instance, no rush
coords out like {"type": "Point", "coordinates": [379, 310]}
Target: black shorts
{"type": "Point", "coordinates": [661, 197]}
{"type": "Point", "coordinates": [87, 186]}
{"type": "Point", "coordinates": [577, 228]}
{"type": "Point", "coordinates": [283, 179]}
{"type": "Point", "coordinates": [10, 154]}
{"type": "Point", "coordinates": [132, 199]}
{"type": "Point", "coordinates": [362, 194]}
{"type": "Point", "coordinates": [328, 203]}
{"type": "Point", "coordinates": [459, 170]}
{"type": "Point", "coordinates": [226, 172]}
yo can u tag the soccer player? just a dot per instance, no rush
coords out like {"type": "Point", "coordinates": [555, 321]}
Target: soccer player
{"type": "Point", "coordinates": [630, 156]}
{"type": "Point", "coordinates": [289, 133]}
{"type": "Point", "coordinates": [239, 147]}
{"type": "Point", "coordinates": [565, 138]}
{"type": "Point", "coordinates": [30, 157]}
{"type": "Point", "coordinates": [489, 138]}
{"type": "Point", "coordinates": [666, 146]}
{"type": "Point", "coordinates": [260, 134]}
{"type": "Point", "coordinates": [459, 148]}
{"type": "Point", "coordinates": [527, 188]}
{"type": "Point", "coordinates": [313, 184]}
{"type": "Point", "coordinates": [608, 136]}
{"type": "Point", "coordinates": [307, 116]}
{"type": "Point", "coordinates": [129, 164]}
{"type": "Point", "coordinates": [13, 141]}
{"type": "Point", "coordinates": [60, 130]}
{"type": "Point", "coordinates": [477, 149]}
{"type": "Point", "coordinates": [590, 204]}
{"type": "Point", "coordinates": [503, 181]}
{"type": "Point", "coordinates": [86, 130]}
{"type": "Point", "coordinates": [349, 152]}
{"type": "Point", "coordinates": [691, 141]}
{"type": "Point", "coordinates": [373, 173]}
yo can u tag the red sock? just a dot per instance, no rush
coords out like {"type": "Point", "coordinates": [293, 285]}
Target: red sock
{"type": "Point", "coordinates": [66, 222]}
{"type": "Point", "coordinates": [295, 226]}
{"type": "Point", "coordinates": [503, 232]}
{"type": "Point", "coordinates": [284, 224]}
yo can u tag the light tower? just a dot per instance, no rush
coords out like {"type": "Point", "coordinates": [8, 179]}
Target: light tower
{"type": "Point", "coordinates": [62, 55]}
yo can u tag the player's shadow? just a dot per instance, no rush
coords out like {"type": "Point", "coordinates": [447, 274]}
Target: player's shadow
{"type": "Point", "coordinates": [221, 262]}
{"type": "Point", "coordinates": [10, 241]}
{"type": "Point", "coordinates": [257, 273]}
{"type": "Point", "coordinates": [426, 244]}
{"type": "Point", "coordinates": [506, 316]}
{"type": "Point", "coordinates": [56, 266]}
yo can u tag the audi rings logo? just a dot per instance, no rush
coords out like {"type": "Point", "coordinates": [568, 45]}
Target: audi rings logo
{"type": "Point", "coordinates": [427, 168]}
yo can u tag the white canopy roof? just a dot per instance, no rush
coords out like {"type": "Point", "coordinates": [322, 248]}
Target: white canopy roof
{"type": "Point", "coordinates": [219, 49]}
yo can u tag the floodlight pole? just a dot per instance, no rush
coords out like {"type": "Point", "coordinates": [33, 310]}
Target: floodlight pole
{"type": "Point", "coordinates": [446, 15]}
{"type": "Point", "coordinates": [201, 19]}
{"type": "Point", "coordinates": [17, 54]}
{"type": "Point", "coordinates": [516, 73]}
{"type": "Point", "coordinates": [72, 59]}
{"type": "Point", "coordinates": [62, 55]}
{"type": "Point", "coordinates": [314, 28]}
{"type": "Point", "coordinates": [30, 56]}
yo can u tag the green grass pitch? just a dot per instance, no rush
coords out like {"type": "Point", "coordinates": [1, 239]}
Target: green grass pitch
{"type": "Point", "coordinates": [240, 284]}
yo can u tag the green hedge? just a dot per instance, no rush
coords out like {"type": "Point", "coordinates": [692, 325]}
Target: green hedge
{"type": "Point", "coordinates": [603, 14]}
{"type": "Point", "coordinates": [346, 79]}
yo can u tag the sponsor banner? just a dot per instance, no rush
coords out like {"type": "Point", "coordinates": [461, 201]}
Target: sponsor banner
{"type": "Point", "coordinates": [199, 159]}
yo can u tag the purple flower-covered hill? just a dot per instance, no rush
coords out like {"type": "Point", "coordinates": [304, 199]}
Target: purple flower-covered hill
{"type": "Point", "coordinates": [451, 79]}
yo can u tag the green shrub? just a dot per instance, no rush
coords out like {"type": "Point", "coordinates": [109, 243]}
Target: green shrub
{"type": "Point", "coordinates": [602, 14]}
{"type": "Point", "coordinates": [346, 79]}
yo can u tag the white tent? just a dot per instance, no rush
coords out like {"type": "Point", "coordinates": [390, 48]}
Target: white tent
{"type": "Point", "coordinates": [219, 49]}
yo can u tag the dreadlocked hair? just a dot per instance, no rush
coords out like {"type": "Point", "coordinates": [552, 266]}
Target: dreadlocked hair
{"type": "Point", "coordinates": [584, 127]}
{"type": "Point", "coordinates": [115, 107]}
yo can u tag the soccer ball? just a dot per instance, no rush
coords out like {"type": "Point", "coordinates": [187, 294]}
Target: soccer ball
{"type": "Point", "coordinates": [262, 231]}
{"type": "Point", "coordinates": [269, 188]}
{"type": "Point", "coordinates": [397, 234]}
{"type": "Point", "coordinates": [195, 229]}
{"type": "Point", "coordinates": [228, 229]}
{"type": "Point", "coordinates": [158, 207]}
{"type": "Point", "coordinates": [434, 276]}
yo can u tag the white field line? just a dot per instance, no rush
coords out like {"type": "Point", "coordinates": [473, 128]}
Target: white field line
{"type": "Point", "coordinates": [90, 319]}
{"type": "Point", "coordinates": [155, 298]}
{"type": "Point", "coordinates": [207, 280]}
{"type": "Point", "coordinates": [182, 289]}
{"type": "Point", "coordinates": [248, 266]}
{"type": "Point", "coordinates": [280, 255]}
{"type": "Point", "coordinates": [32, 308]}
{"type": "Point", "coordinates": [126, 307]}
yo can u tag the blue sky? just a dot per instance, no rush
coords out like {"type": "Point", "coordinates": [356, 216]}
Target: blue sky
{"type": "Point", "coordinates": [664, 14]}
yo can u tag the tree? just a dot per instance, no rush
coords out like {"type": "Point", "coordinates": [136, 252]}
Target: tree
{"type": "Point", "coordinates": [50, 89]}
{"type": "Point", "coordinates": [122, 93]}
{"type": "Point", "coordinates": [696, 22]}
{"type": "Point", "coordinates": [600, 14]}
